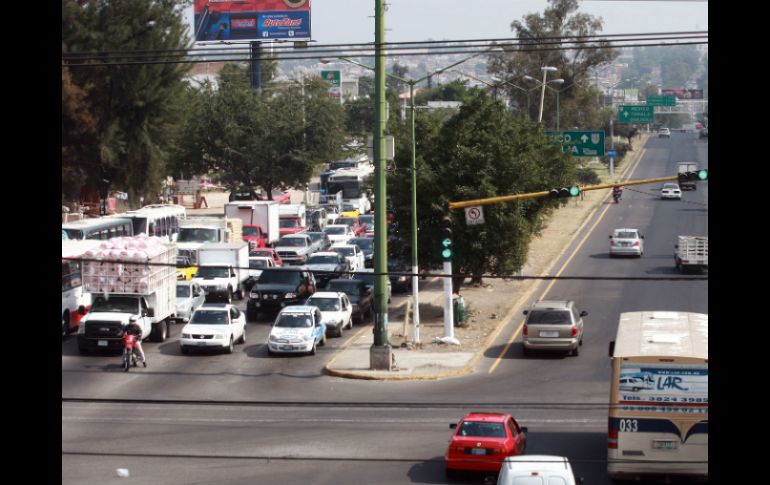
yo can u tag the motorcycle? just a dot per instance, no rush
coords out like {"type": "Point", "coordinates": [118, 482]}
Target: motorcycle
{"type": "Point", "coordinates": [129, 357]}
{"type": "Point", "coordinates": [616, 195]}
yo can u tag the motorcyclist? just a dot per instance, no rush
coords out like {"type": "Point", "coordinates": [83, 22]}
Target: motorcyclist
{"type": "Point", "coordinates": [616, 193]}
{"type": "Point", "coordinates": [134, 329]}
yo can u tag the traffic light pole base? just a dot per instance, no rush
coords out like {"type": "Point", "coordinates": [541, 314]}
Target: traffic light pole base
{"type": "Point", "coordinates": [381, 357]}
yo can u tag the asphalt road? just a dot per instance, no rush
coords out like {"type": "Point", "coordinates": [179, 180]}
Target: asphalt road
{"type": "Point", "coordinates": [320, 429]}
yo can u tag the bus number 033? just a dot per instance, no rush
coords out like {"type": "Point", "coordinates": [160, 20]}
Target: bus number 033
{"type": "Point", "coordinates": [629, 425]}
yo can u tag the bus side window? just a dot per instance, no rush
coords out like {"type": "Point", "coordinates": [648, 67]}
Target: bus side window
{"type": "Point", "coordinates": [151, 228]}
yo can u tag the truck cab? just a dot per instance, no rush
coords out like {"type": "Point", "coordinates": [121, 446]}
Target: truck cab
{"type": "Point", "coordinates": [104, 326]}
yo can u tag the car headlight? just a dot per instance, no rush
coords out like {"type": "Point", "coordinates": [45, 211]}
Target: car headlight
{"type": "Point", "coordinates": [82, 328]}
{"type": "Point", "coordinates": [290, 295]}
{"type": "Point", "coordinates": [402, 278]}
{"type": "Point", "coordinates": [272, 338]}
{"type": "Point", "coordinates": [254, 295]}
{"type": "Point", "coordinates": [186, 335]}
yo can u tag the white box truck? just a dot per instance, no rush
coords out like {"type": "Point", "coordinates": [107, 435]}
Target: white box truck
{"type": "Point", "coordinates": [260, 220]}
{"type": "Point", "coordinates": [195, 232]}
{"type": "Point", "coordinates": [223, 268]}
{"type": "Point", "coordinates": [131, 279]}
{"type": "Point", "coordinates": [293, 218]}
{"type": "Point", "coordinates": [685, 167]}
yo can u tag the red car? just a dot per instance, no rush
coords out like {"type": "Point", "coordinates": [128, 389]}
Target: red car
{"type": "Point", "coordinates": [355, 226]}
{"type": "Point", "coordinates": [267, 252]}
{"type": "Point", "coordinates": [482, 441]}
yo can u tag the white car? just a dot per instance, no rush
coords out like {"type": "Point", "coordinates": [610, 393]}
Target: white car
{"type": "Point", "coordinates": [339, 233]}
{"type": "Point", "coordinates": [336, 311]}
{"type": "Point", "coordinates": [259, 263]}
{"type": "Point", "coordinates": [664, 133]}
{"type": "Point", "coordinates": [671, 191]}
{"type": "Point", "coordinates": [189, 296]}
{"type": "Point", "coordinates": [626, 242]}
{"type": "Point", "coordinates": [214, 325]}
{"type": "Point", "coordinates": [297, 329]}
{"type": "Point", "coordinates": [352, 253]}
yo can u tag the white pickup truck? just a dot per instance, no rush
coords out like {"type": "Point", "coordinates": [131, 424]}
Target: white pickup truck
{"type": "Point", "coordinates": [132, 281]}
{"type": "Point", "coordinates": [692, 252]}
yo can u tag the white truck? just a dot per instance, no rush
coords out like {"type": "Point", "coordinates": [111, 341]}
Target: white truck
{"type": "Point", "coordinates": [195, 232]}
{"type": "Point", "coordinates": [260, 220]}
{"type": "Point", "coordinates": [685, 167]}
{"type": "Point", "coordinates": [692, 253]}
{"type": "Point", "coordinates": [294, 248]}
{"type": "Point", "coordinates": [223, 268]}
{"type": "Point", "coordinates": [131, 279]}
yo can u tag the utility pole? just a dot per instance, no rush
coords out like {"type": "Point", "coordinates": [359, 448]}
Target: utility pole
{"type": "Point", "coordinates": [380, 354]}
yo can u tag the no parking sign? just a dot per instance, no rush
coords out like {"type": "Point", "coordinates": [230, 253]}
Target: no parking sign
{"type": "Point", "coordinates": [474, 215]}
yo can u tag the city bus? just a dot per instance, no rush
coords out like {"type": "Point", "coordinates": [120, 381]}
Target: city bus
{"type": "Point", "coordinates": [658, 415]}
{"type": "Point", "coordinates": [157, 219]}
{"type": "Point", "coordinates": [72, 295]}
{"type": "Point", "coordinates": [352, 184]}
{"type": "Point", "coordinates": [99, 228]}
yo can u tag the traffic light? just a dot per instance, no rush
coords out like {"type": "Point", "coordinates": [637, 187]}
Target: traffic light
{"type": "Point", "coordinates": [446, 238]}
{"type": "Point", "coordinates": [694, 176]}
{"type": "Point", "coordinates": [572, 191]}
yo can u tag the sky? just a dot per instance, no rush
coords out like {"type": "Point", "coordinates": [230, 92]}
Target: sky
{"type": "Point", "coordinates": [352, 21]}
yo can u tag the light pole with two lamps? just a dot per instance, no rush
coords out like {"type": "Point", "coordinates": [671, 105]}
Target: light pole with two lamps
{"type": "Point", "coordinates": [546, 70]}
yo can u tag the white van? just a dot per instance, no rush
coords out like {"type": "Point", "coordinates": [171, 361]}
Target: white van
{"type": "Point", "coordinates": [536, 470]}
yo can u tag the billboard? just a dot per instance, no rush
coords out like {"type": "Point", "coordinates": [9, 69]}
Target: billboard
{"type": "Point", "coordinates": [226, 20]}
{"type": "Point", "coordinates": [682, 93]}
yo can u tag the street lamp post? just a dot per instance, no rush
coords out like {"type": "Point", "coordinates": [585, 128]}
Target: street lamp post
{"type": "Point", "coordinates": [543, 85]}
{"type": "Point", "coordinates": [415, 265]}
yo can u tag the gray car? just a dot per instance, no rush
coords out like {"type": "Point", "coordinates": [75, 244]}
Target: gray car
{"type": "Point", "coordinates": [189, 296]}
{"type": "Point", "coordinates": [553, 325]}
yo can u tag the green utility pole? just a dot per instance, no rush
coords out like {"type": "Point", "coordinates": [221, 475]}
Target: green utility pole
{"type": "Point", "coordinates": [380, 353]}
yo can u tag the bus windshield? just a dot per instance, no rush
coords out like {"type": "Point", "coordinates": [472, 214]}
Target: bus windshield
{"type": "Point", "coordinates": [197, 234]}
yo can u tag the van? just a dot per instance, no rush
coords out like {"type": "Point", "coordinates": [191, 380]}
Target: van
{"type": "Point", "coordinates": [536, 470]}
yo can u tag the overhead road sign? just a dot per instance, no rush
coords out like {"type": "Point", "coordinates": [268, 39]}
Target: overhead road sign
{"type": "Point", "coordinates": [579, 143]}
{"type": "Point", "coordinates": [661, 100]}
{"type": "Point", "coordinates": [635, 114]}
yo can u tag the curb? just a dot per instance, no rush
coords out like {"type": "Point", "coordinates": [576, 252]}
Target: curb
{"type": "Point", "coordinates": [470, 366]}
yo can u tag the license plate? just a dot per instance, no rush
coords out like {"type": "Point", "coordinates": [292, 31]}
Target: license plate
{"type": "Point", "coordinates": [200, 343]}
{"type": "Point", "coordinates": [664, 445]}
{"type": "Point", "coordinates": [478, 451]}
{"type": "Point", "coordinates": [287, 347]}
{"type": "Point", "coordinates": [549, 334]}
{"type": "Point", "coordinates": [102, 343]}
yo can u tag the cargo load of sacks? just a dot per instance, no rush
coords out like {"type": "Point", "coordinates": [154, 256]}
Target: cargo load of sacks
{"type": "Point", "coordinates": [118, 265]}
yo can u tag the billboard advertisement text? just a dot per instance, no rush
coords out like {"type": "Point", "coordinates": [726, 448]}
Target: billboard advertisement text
{"type": "Point", "coordinates": [217, 20]}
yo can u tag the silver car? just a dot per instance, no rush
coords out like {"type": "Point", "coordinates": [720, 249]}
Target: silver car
{"type": "Point", "coordinates": [553, 325]}
{"type": "Point", "coordinates": [671, 191]}
{"type": "Point", "coordinates": [626, 242]}
{"type": "Point", "coordinates": [189, 296]}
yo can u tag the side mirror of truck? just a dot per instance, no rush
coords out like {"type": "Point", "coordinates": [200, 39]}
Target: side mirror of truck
{"type": "Point", "coordinates": [151, 312]}
{"type": "Point", "coordinates": [612, 348]}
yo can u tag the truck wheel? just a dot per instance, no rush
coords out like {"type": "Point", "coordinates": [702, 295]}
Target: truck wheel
{"type": "Point", "coordinates": [159, 331]}
{"type": "Point", "coordinates": [339, 330]}
{"type": "Point", "coordinates": [229, 348]}
{"type": "Point", "coordinates": [242, 340]}
{"type": "Point", "coordinates": [312, 351]}
{"type": "Point", "coordinates": [229, 295]}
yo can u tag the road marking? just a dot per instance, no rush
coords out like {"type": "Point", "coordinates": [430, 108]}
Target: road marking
{"type": "Point", "coordinates": [499, 359]}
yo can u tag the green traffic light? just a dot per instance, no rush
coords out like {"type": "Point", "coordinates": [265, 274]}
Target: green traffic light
{"type": "Point", "coordinates": [574, 191]}
{"type": "Point", "coordinates": [446, 243]}
{"type": "Point", "coordinates": [703, 174]}
{"type": "Point", "coordinates": [446, 253]}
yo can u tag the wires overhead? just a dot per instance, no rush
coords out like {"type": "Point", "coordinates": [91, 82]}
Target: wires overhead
{"type": "Point", "coordinates": [241, 52]}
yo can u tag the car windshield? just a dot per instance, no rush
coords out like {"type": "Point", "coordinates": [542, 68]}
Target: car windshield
{"type": "Point", "coordinates": [670, 186]}
{"type": "Point", "coordinates": [625, 235]}
{"type": "Point", "coordinates": [182, 262]}
{"type": "Point", "coordinates": [348, 251]}
{"type": "Point", "coordinates": [482, 429]}
{"type": "Point", "coordinates": [278, 277]}
{"type": "Point", "coordinates": [250, 231]}
{"type": "Point", "coordinates": [292, 242]}
{"type": "Point", "coordinates": [363, 242]}
{"type": "Point", "coordinates": [261, 252]}
{"type": "Point", "coordinates": [367, 219]}
{"type": "Point", "coordinates": [549, 317]}
{"type": "Point", "coordinates": [315, 259]}
{"type": "Point", "coordinates": [212, 272]}
{"type": "Point", "coordinates": [348, 221]}
{"type": "Point", "coordinates": [326, 304]}
{"type": "Point", "coordinates": [294, 320]}
{"type": "Point", "coordinates": [335, 230]}
{"type": "Point", "coordinates": [367, 278]}
{"type": "Point", "coordinates": [189, 234]}
{"type": "Point", "coordinates": [350, 287]}
{"type": "Point", "coordinates": [182, 291]}
{"type": "Point", "coordinates": [115, 304]}
{"type": "Point", "coordinates": [257, 264]}
{"type": "Point", "coordinates": [348, 207]}
{"type": "Point", "coordinates": [315, 236]}
{"type": "Point", "coordinates": [209, 317]}
{"type": "Point", "coordinates": [287, 223]}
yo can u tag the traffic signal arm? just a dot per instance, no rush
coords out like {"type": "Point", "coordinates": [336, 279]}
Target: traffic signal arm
{"type": "Point", "coordinates": [546, 193]}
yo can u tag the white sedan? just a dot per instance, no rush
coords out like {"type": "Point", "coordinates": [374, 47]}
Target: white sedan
{"type": "Point", "coordinates": [671, 191]}
{"type": "Point", "coordinates": [336, 310]}
{"type": "Point", "coordinates": [214, 325]}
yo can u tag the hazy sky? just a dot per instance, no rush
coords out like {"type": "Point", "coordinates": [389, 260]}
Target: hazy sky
{"type": "Point", "coordinates": [352, 21]}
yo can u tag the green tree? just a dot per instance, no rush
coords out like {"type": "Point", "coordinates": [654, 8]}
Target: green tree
{"type": "Point", "coordinates": [134, 107]}
{"type": "Point", "coordinates": [479, 152]}
{"type": "Point", "coordinates": [560, 19]}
